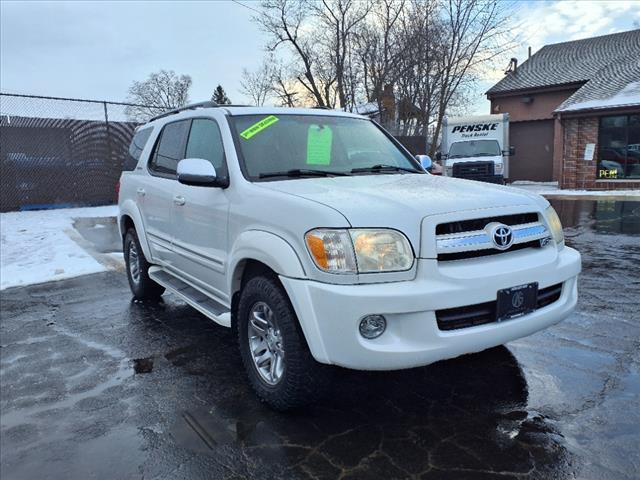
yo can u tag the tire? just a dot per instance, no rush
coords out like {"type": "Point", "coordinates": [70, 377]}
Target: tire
{"type": "Point", "coordinates": [137, 266]}
{"type": "Point", "coordinates": [297, 378]}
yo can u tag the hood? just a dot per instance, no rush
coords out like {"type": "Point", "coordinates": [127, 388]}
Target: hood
{"type": "Point", "coordinates": [402, 201]}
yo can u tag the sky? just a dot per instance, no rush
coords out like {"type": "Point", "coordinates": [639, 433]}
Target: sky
{"type": "Point", "coordinates": [97, 49]}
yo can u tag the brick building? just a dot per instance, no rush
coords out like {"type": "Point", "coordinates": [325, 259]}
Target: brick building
{"type": "Point", "coordinates": [574, 111]}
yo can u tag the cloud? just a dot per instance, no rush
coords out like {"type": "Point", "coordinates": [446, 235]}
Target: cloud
{"type": "Point", "coordinates": [96, 49]}
{"type": "Point", "coordinates": [539, 23]}
{"type": "Point", "coordinates": [552, 22]}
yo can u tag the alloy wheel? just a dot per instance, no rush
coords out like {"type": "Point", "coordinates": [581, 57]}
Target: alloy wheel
{"type": "Point", "coordinates": [134, 264]}
{"type": "Point", "coordinates": [265, 343]}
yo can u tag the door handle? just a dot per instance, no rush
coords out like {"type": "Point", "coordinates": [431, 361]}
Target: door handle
{"type": "Point", "coordinates": [179, 200]}
{"type": "Point", "coordinates": [140, 192]}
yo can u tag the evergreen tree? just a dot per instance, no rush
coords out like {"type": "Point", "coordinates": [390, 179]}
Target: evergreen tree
{"type": "Point", "coordinates": [220, 96]}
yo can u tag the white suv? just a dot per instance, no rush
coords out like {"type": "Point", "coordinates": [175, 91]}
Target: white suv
{"type": "Point", "coordinates": [320, 240]}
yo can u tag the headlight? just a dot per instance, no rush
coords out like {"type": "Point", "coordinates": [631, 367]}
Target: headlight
{"type": "Point", "coordinates": [359, 250]}
{"type": "Point", "coordinates": [555, 225]}
{"type": "Point", "coordinates": [498, 168]}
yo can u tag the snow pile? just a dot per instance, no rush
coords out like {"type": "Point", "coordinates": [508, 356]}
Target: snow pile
{"type": "Point", "coordinates": [551, 188]}
{"type": "Point", "coordinates": [36, 246]}
{"type": "Point", "coordinates": [632, 194]}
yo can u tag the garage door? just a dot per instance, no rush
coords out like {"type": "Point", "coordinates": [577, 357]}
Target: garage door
{"type": "Point", "coordinates": [534, 151]}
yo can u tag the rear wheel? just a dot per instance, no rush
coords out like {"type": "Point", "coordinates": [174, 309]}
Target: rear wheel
{"type": "Point", "coordinates": [137, 266]}
{"type": "Point", "coordinates": [274, 351]}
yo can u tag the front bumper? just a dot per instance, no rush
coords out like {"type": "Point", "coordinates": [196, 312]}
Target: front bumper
{"type": "Point", "coordinates": [329, 314]}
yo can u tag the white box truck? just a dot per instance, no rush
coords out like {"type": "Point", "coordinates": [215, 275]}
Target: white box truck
{"type": "Point", "coordinates": [476, 147]}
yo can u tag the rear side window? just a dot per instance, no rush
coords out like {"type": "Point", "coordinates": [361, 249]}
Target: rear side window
{"type": "Point", "coordinates": [135, 149]}
{"type": "Point", "coordinates": [170, 148]}
{"type": "Point", "coordinates": [205, 142]}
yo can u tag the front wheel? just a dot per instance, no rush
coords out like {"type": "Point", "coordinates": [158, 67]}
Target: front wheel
{"type": "Point", "coordinates": [137, 266]}
{"type": "Point", "coordinates": [274, 351]}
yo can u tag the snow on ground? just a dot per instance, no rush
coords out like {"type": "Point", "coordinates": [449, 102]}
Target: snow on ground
{"type": "Point", "coordinates": [551, 188]}
{"type": "Point", "coordinates": [36, 246]}
{"type": "Point", "coordinates": [593, 193]}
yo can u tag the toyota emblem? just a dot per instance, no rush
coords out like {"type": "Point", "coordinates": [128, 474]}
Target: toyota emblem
{"type": "Point", "coordinates": [502, 236]}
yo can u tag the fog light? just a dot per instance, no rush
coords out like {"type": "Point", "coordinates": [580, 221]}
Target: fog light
{"type": "Point", "coordinates": [372, 326]}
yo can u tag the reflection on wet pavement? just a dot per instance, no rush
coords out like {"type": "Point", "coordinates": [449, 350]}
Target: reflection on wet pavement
{"type": "Point", "coordinates": [601, 216]}
{"type": "Point", "coordinates": [94, 385]}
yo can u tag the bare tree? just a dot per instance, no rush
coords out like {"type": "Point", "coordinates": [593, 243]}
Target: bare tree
{"type": "Point", "coordinates": [475, 33]}
{"type": "Point", "coordinates": [379, 48]}
{"type": "Point", "coordinates": [418, 77]}
{"type": "Point", "coordinates": [283, 20]}
{"type": "Point", "coordinates": [416, 58]}
{"type": "Point", "coordinates": [162, 91]}
{"type": "Point", "coordinates": [258, 85]}
{"type": "Point", "coordinates": [339, 21]}
{"type": "Point", "coordinates": [286, 88]}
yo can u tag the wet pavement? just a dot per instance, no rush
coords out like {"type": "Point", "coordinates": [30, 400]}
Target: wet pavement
{"type": "Point", "coordinates": [97, 386]}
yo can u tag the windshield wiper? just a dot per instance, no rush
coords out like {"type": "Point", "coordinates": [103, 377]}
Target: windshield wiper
{"type": "Point", "coordinates": [383, 168]}
{"type": "Point", "coordinates": [303, 172]}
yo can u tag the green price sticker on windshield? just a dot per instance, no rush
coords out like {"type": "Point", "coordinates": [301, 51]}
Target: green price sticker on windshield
{"type": "Point", "coordinates": [319, 141]}
{"type": "Point", "coordinates": [258, 127]}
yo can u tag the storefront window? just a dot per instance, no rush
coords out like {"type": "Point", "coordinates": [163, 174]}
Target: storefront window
{"type": "Point", "coordinates": [619, 148]}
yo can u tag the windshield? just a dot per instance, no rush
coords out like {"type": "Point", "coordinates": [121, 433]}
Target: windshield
{"type": "Point", "coordinates": [287, 146]}
{"type": "Point", "coordinates": [475, 148]}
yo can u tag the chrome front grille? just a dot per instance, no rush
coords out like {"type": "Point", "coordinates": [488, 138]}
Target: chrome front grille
{"type": "Point", "coordinates": [479, 223]}
{"type": "Point", "coordinates": [478, 242]}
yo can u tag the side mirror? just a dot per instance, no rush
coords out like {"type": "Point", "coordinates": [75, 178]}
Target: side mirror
{"type": "Point", "coordinates": [197, 172]}
{"type": "Point", "coordinates": [511, 152]}
{"type": "Point", "coordinates": [438, 156]}
{"type": "Point", "coordinates": [425, 161]}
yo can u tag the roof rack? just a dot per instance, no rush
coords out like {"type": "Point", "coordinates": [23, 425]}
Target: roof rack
{"type": "Point", "coordinates": [191, 106]}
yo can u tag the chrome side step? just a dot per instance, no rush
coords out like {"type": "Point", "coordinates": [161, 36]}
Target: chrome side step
{"type": "Point", "coordinates": [194, 297]}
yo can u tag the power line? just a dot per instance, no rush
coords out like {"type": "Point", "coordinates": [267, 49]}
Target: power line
{"type": "Point", "coordinates": [246, 6]}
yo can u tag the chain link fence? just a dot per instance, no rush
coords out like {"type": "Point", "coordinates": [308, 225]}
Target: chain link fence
{"type": "Point", "coordinates": [61, 152]}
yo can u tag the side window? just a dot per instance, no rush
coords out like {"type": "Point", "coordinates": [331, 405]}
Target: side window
{"type": "Point", "coordinates": [135, 149]}
{"type": "Point", "coordinates": [170, 148]}
{"type": "Point", "coordinates": [205, 142]}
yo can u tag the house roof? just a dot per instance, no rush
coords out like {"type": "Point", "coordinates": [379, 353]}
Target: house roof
{"type": "Point", "coordinates": [608, 68]}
